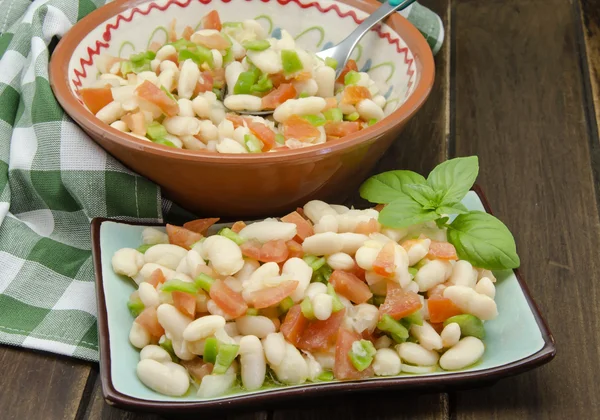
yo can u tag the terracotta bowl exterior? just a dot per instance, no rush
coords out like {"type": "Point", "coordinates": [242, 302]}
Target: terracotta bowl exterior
{"type": "Point", "coordinates": [250, 185]}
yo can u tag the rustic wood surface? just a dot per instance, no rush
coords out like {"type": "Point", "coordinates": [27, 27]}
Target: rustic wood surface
{"type": "Point", "coordinates": [518, 84]}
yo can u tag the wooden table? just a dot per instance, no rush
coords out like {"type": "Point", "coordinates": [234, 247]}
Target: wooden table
{"type": "Point", "coordinates": [518, 84]}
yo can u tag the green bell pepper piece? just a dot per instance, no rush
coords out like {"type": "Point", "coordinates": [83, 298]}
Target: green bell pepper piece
{"type": "Point", "coordinates": [279, 138]}
{"type": "Point", "coordinates": [331, 62]}
{"type": "Point", "coordinates": [351, 78]}
{"type": "Point", "coordinates": [315, 120]}
{"type": "Point", "coordinates": [230, 234]}
{"type": "Point", "coordinates": [307, 309]}
{"type": "Point", "coordinates": [155, 131]}
{"type": "Point", "coordinates": [167, 345]}
{"type": "Point", "coordinates": [353, 117]}
{"type": "Point", "coordinates": [244, 83]}
{"type": "Point", "coordinates": [291, 62]}
{"type": "Point", "coordinates": [333, 114]}
{"type": "Point", "coordinates": [252, 312]}
{"type": "Point", "coordinates": [135, 307]}
{"type": "Point", "coordinates": [398, 331]}
{"type": "Point", "coordinates": [469, 325]}
{"type": "Point", "coordinates": [257, 45]}
{"type": "Point", "coordinates": [204, 282]}
{"type": "Point", "coordinates": [286, 304]}
{"type": "Point", "coordinates": [337, 303]}
{"type": "Point", "coordinates": [144, 248]}
{"type": "Point", "coordinates": [211, 348]}
{"type": "Point", "coordinates": [372, 121]}
{"type": "Point", "coordinates": [225, 357]}
{"type": "Point", "coordinates": [253, 144]}
{"type": "Point", "coordinates": [165, 142]}
{"type": "Point", "coordinates": [179, 286]}
{"type": "Point", "coordinates": [325, 376]}
{"type": "Point", "coordinates": [361, 354]}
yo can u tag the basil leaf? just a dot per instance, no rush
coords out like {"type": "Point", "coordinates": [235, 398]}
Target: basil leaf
{"type": "Point", "coordinates": [403, 212]}
{"type": "Point", "coordinates": [386, 187]}
{"type": "Point", "coordinates": [484, 241]}
{"type": "Point", "coordinates": [454, 178]}
{"type": "Point", "coordinates": [457, 208]}
{"type": "Point", "coordinates": [422, 194]}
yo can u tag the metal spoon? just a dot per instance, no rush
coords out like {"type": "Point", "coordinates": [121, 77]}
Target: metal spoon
{"type": "Point", "coordinates": [342, 51]}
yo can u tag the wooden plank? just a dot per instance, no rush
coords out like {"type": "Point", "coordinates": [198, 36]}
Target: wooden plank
{"type": "Point", "coordinates": [520, 107]}
{"type": "Point", "coordinates": [589, 13]}
{"type": "Point", "coordinates": [40, 385]}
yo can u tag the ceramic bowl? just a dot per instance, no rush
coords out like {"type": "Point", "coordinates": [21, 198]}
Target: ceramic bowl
{"type": "Point", "coordinates": [395, 55]}
{"type": "Point", "coordinates": [516, 341]}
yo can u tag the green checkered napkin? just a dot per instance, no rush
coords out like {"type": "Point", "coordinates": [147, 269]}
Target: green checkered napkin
{"type": "Point", "coordinates": [54, 179]}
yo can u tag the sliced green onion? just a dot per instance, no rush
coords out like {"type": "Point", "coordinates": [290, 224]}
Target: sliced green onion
{"type": "Point", "coordinates": [331, 62]}
{"type": "Point", "coordinates": [291, 62]}
{"type": "Point", "coordinates": [413, 271]}
{"type": "Point", "coordinates": [415, 318]}
{"type": "Point", "coordinates": [353, 117]}
{"type": "Point", "coordinates": [315, 120]}
{"type": "Point", "coordinates": [165, 142]}
{"type": "Point", "coordinates": [204, 282]}
{"type": "Point", "coordinates": [303, 95]}
{"type": "Point", "coordinates": [244, 83]}
{"type": "Point", "coordinates": [167, 345]}
{"type": "Point", "coordinates": [155, 131]}
{"type": "Point", "coordinates": [169, 94]}
{"type": "Point", "coordinates": [286, 304]}
{"type": "Point", "coordinates": [211, 348]}
{"type": "Point", "coordinates": [225, 357]}
{"type": "Point", "coordinates": [176, 285]}
{"type": "Point", "coordinates": [307, 309]}
{"type": "Point", "coordinates": [333, 114]}
{"type": "Point", "coordinates": [252, 312]}
{"type": "Point", "coordinates": [351, 78]}
{"type": "Point", "coordinates": [337, 304]}
{"type": "Point", "coordinates": [230, 234]}
{"type": "Point", "coordinates": [257, 45]}
{"type": "Point", "coordinates": [390, 325]}
{"type": "Point", "coordinates": [253, 144]}
{"type": "Point", "coordinates": [325, 376]}
{"type": "Point", "coordinates": [372, 121]}
{"type": "Point", "coordinates": [144, 248]}
{"type": "Point", "coordinates": [361, 354]}
{"type": "Point", "coordinates": [135, 307]}
{"type": "Point", "coordinates": [279, 138]}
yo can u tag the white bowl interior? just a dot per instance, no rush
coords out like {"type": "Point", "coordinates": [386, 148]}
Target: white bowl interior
{"type": "Point", "coordinates": [381, 52]}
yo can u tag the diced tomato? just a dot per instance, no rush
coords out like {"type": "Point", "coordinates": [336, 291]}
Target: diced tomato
{"type": "Point", "coordinates": [136, 122]}
{"type": "Point", "coordinates": [201, 225]}
{"type": "Point", "coordinates": [151, 93]}
{"type": "Point", "coordinates": [379, 207]}
{"type": "Point", "coordinates": [320, 335]}
{"type": "Point", "coordinates": [330, 103]}
{"type": "Point", "coordinates": [278, 79]}
{"type": "Point", "coordinates": [304, 228]}
{"type": "Point", "coordinates": [274, 251]}
{"type": "Point", "coordinates": [212, 41]}
{"type": "Point", "coordinates": [343, 368]}
{"type": "Point", "coordinates": [441, 308]}
{"type": "Point", "coordinates": [353, 94]}
{"type": "Point", "coordinates": [359, 272]}
{"type": "Point", "coordinates": [148, 320]}
{"type": "Point", "coordinates": [157, 277]}
{"type": "Point", "coordinates": [270, 312]}
{"type": "Point", "coordinates": [185, 303]}
{"type": "Point", "coordinates": [236, 120]}
{"type": "Point", "coordinates": [96, 98]}
{"type": "Point", "coordinates": [172, 32]}
{"type": "Point", "coordinates": [350, 286]}
{"type": "Point", "coordinates": [300, 211]}
{"type": "Point", "coordinates": [197, 368]}
{"type": "Point", "coordinates": [437, 290]}
{"type": "Point", "coordinates": [238, 226]}
{"type": "Point", "coordinates": [293, 325]}
{"type": "Point", "coordinates": [264, 134]}
{"type": "Point", "coordinates": [278, 96]}
{"type": "Point", "coordinates": [155, 46]}
{"type": "Point", "coordinates": [187, 32]}
{"type": "Point", "coordinates": [384, 265]}
{"type": "Point", "coordinates": [204, 84]}
{"type": "Point", "coordinates": [182, 237]}
{"type": "Point", "coordinates": [442, 251]}
{"type": "Point", "coordinates": [437, 326]}
{"type": "Point", "coordinates": [399, 302]}
{"type": "Point", "coordinates": [273, 295]}
{"type": "Point", "coordinates": [295, 249]}
{"type": "Point", "coordinates": [231, 302]}
{"type": "Point", "coordinates": [341, 128]}
{"type": "Point", "coordinates": [350, 65]}
{"type": "Point", "coordinates": [300, 129]}
{"type": "Point", "coordinates": [212, 21]}
{"type": "Point", "coordinates": [251, 249]}
{"type": "Point", "coordinates": [368, 227]}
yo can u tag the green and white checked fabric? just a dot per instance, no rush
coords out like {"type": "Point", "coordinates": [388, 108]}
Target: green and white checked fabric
{"type": "Point", "coordinates": [54, 179]}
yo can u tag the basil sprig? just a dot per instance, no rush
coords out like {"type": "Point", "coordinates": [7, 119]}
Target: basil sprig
{"type": "Point", "coordinates": [410, 199]}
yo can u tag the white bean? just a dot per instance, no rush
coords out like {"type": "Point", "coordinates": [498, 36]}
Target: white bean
{"type": "Point", "coordinates": [127, 261]}
{"type": "Point", "coordinates": [326, 243]}
{"type": "Point", "coordinates": [216, 385]}
{"type": "Point", "coordinates": [188, 77]}
{"type": "Point", "coordinates": [230, 146]}
{"type": "Point", "coordinates": [149, 76]}
{"type": "Point", "coordinates": [417, 355]}
{"type": "Point", "coordinates": [166, 255]}
{"type": "Point", "coordinates": [346, 109]}
{"type": "Point", "coordinates": [297, 269]}
{"type": "Point", "coordinates": [293, 369]}
{"type": "Point", "coordinates": [450, 334]}
{"type": "Point", "coordinates": [165, 378]}
{"type": "Point", "coordinates": [252, 362]}
{"type": "Point", "coordinates": [464, 353]}
{"type": "Point", "coordinates": [463, 274]}
{"type": "Point", "coordinates": [224, 255]}
{"type": "Point", "coordinates": [430, 275]}
{"type": "Point", "coordinates": [340, 261]}
{"type": "Point", "coordinates": [366, 255]}
{"type": "Point", "coordinates": [231, 329]}
{"type": "Point", "coordinates": [112, 80]}
{"type": "Point", "coordinates": [226, 129]}
{"type": "Point", "coordinates": [383, 342]}
{"type": "Point", "coordinates": [481, 273]}
{"type": "Point", "coordinates": [138, 336]}
{"type": "Point", "coordinates": [418, 370]}
{"type": "Point", "coordinates": [352, 241]}
{"type": "Point", "coordinates": [169, 65]}
{"type": "Point", "coordinates": [239, 134]}
{"type": "Point", "coordinates": [314, 367]}
{"type": "Point", "coordinates": [471, 302]}
{"type": "Point", "coordinates": [253, 26]}
{"type": "Point", "coordinates": [258, 278]}
{"type": "Point", "coordinates": [365, 317]}
{"type": "Point", "coordinates": [173, 321]}
{"type": "Point", "coordinates": [148, 295]}
{"type": "Point", "coordinates": [386, 363]}
{"type": "Point", "coordinates": [111, 112]}
{"type": "Point", "coordinates": [314, 289]}
{"type": "Point", "coordinates": [268, 61]}
{"type": "Point", "coordinates": [427, 336]}
{"type": "Point", "coordinates": [274, 345]}
{"type": "Point", "coordinates": [394, 234]}
{"type": "Point", "coordinates": [316, 209]}
{"type": "Point", "coordinates": [232, 72]}
{"type": "Point", "coordinates": [269, 230]}
{"type": "Point", "coordinates": [367, 109]}
{"type": "Point", "coordinates": [327, 223]}
{"type": "Point", "coordinates": [418, 251]}
{"type": "Point", "coordinates": [121, 126]}
{"type": "Point", "coordinates": [185, 108]}
{"type": "Point", "coordinates": [149, 268]}
{"type": "Point", "coordinates": [217, 59]}
{"type": "Point", "coordinates": [203, 327]}
{"type": "Point", "coordinates": [302, 106]}
{"type": "Point", "coordinates": [486, 287]}
{"type": "Point", "coordinates": [325, 78]}
{"type": "Point", "coordinates": [380, 101]}
{"type": "Point", "coordinates": [214, 309]}
{"type": "Point", "coordinates": [339, 208]}
{"type": "Point", "coordinates": [201, 106]}
{"type": "Point", "coordinates": [260, 326]}
{"type": "Point", "coordinates": [154, 352]}
{"type": "Point", "coordinates": [250, 266]}
{"type": "Point", "coordinates": [322, 306]}
{"type": "Point", "coordinates": [165, 51]}
{"type": "Point", "coordinates": [152, 236]}
{"type": "Point", "coordinates": [243, 103]}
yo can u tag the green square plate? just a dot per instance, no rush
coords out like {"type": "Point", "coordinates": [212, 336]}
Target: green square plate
{"type": "Point", "coordinates": [518, 340]}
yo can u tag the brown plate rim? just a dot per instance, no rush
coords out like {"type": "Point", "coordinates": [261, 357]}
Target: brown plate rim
{"type": "Point", "coordinates": [114, 397]}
